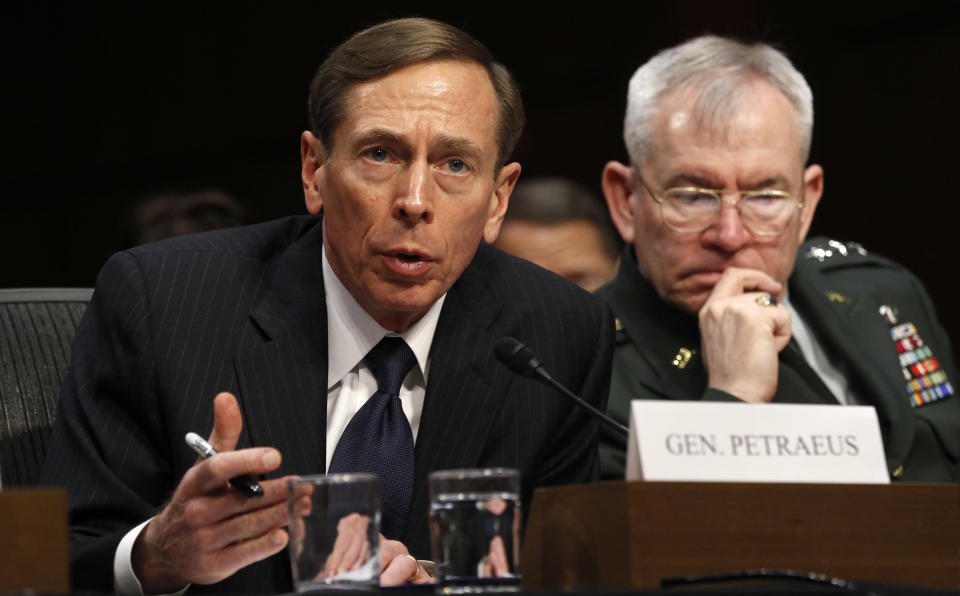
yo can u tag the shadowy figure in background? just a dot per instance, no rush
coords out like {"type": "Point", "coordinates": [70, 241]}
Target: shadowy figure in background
{"type": "Point", "coordinates": [561, 226]}
{"type": "Point", "coordinates": [166, 215]}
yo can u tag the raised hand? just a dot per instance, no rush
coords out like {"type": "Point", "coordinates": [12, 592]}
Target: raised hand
{"type": "Point", "coordinates": [740, 337]}
{"type": "Point", "coordinates": [208, 531]}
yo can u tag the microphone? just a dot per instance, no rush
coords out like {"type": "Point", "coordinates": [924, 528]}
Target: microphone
{"type": "Point", "coordinates": [521, 360]}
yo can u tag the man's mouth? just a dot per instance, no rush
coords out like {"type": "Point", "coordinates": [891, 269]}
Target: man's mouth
{"type": "Point", "coordinates": [408, 264]}
{"type": "Point", "coordinates": [705, 275]}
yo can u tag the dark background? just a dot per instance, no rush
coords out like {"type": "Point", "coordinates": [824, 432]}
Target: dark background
{"type": "Point", "coordinates": [106, 104]}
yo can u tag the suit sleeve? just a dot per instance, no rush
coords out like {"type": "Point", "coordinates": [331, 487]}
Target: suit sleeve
{"type": "Point", "coordinates": [105, 448]}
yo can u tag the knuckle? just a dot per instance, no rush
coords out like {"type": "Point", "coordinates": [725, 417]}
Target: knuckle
{"type": "Point", "coordinates": [247, 524]}
{"type": "Point", "coordinates": [194, 513]}
{"type": "Point", "coordinates": [216, 467]}
{"type": "Point", "coordinates": [255, 523]}
{"type": "Point", "coordinates": [279, 516]}
{"type": "Point", "coordinates": [254, 550]}
{"type": "Point", "coordinates": [203, 539]}
{"type": "Point", "coordinates": [190, 476]}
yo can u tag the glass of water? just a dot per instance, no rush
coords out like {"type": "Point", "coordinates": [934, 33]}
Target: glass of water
{"type": "Point", "coordinates": [475, 530]}
{"type": "Point", "coordinates": [334, 526]}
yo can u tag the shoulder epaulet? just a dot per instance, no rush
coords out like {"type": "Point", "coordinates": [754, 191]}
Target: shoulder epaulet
{"type": "Point", "coordinates": [823, 249]}
{"type": "Point", "coordinates": [825, 253]}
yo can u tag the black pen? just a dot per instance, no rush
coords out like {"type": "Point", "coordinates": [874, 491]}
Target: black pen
{"type": "Point", "coordinates": [246, 483]}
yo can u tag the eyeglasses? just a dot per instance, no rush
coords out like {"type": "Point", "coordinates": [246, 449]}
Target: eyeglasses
{"type": "Point", "coordinates": [692, 209]}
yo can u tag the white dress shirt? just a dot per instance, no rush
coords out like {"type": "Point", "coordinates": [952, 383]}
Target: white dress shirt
{"type": "Point", "coordinates": [351, 333]}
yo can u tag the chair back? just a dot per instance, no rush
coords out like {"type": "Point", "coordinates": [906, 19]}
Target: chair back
{"type": "Point", "coordinates": [37, 326]}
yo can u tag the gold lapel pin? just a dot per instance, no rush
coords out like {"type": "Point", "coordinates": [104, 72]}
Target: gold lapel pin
{"type": "Point", "coordinates": [837, 298]}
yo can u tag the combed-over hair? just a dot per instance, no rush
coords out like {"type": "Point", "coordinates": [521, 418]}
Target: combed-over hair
{"type": "Point", "coordinates": [382, 49]}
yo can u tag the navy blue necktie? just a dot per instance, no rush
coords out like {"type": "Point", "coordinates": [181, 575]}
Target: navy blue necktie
{"type": "Point", "coordinates": [378, 438]}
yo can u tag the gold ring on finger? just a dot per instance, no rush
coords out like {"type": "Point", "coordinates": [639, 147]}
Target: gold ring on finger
{"type": "Point", "coordinates": [416, 571]}
{"type": "Point", "coordinates": [766, 300]}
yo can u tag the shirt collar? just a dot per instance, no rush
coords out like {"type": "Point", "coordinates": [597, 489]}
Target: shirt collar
{"type": "Point", "coordinates": [352, 332]}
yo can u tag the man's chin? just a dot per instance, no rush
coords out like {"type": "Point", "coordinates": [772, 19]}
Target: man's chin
{"type": "Point", "coordinates": [401, 305]}
{"type": "Point", "coordinates": [688, 302]}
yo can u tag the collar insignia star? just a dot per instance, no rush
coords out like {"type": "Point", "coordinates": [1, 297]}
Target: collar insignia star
{"type": "Point", "coordinates": [683, 357]}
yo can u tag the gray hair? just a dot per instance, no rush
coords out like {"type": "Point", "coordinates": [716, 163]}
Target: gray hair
{"type": "Point", "coordinates": [718, 69]}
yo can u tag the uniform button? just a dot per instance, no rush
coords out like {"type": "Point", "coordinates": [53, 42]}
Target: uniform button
{"type": "Point", "coordinates": [898, 473]}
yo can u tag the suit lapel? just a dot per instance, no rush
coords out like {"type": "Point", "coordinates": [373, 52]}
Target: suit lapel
{"type": "Point", "coordinates": [283, 378]}
{"type": "Point", "coordinates": [465, 391]}
{"type": "Point", "coordinates": [850, 328]}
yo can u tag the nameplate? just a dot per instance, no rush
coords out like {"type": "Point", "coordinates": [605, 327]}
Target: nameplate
{"type": "Point", "coordinates": [741, 442]}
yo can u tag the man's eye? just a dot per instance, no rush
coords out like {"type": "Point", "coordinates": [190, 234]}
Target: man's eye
{"type": "Point", "coordinates": [767, 202]}
{"type": "Point", "coordinates": [378, 154]}
{"type": "Point", "coordinates": [456, 166]}
{"type": "Point", "coordinates": [762, 198]}
{"type": "Point", "coordinates": [693, 199]}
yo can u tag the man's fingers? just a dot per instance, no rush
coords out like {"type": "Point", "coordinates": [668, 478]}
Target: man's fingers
{"type": "Point", "coordinates": [396, 565]}
{"type": "Point", "coordinates": [205, 510]}
{"type": "Point", "coordinates": [227, 422]}
{"type": "Point", "coordinates": [173, 550]}
{"type": "Point", "coordinates": [213, 474]}
{"type": "Point", "coordinates": [736, 281]}
{"type": "Point", "coordinates": [334, 564]}
{"type": "Point", "coordinates": [423, 577]}
{"type": "Point", "coordinates": [740, 336]}
{"type": "Point", "coordinates": [497, 558]}
{"type": "Point", "coordinates": [208, 531]}
{"type": "Point", "coordinates": [353, 530]}
{"type": "Point", "coordinates": [247, 552]}
{"type": "Point", "coordinates": [779, 317]}
{"type": "Point", "coordinates": [250, 525]}
{"type": "Point", "coordinates": [359, 550]}
{"type": "Point", "coordinates": [783, 330]}
{"type": "Point", "coordinates": [390, 549]}
{"type": "Point", "coordinates": [399, 570]}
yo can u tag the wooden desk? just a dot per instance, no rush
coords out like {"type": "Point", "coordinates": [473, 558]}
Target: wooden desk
{"type": "Point", "coordinates": [33, 541]}
{"type": "Point", "coordinates": [633, 534]}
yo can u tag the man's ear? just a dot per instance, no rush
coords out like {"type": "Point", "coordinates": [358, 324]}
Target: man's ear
{"type": "Point", "coordinates": [499, 201]}
{"type": "Point", "coordinates": [812, 191]}
{"type": "Point", "coordinates": [617, 184]}
{"type": "Point", "coordinates": [312, 157]}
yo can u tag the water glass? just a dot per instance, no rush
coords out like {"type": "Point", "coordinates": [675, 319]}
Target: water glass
{"type": "Point", "coordinates": [334, 527]}
{"type": "Point", "coordinates": [475, 530]}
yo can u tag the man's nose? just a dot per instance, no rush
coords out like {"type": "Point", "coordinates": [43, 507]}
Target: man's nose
{"type": "Point", "coordinates": [728, 232]}
{"type": "Point", "coordinates": [414, 201]}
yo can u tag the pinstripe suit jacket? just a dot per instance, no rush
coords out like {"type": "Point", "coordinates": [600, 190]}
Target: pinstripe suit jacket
{"type": "Point", "coordinates": [242, 310]}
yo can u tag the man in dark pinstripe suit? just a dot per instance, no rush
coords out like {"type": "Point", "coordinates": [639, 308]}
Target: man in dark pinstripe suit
{"type": "Point", "coordinates": [405, 175]}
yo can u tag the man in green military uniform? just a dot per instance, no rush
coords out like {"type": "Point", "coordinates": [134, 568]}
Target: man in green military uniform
{"type": "Point", "coordinates": [719, 298]}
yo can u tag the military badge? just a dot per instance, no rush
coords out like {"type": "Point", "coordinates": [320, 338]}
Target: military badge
{"type": "Point", "coordinates": [683, 357]}
{"type": "Point", "coordinates": [925, 381]}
